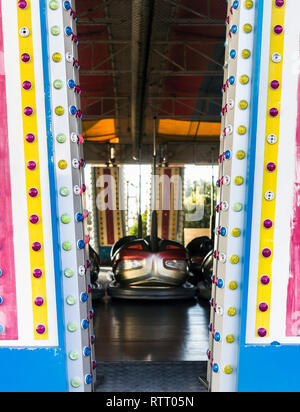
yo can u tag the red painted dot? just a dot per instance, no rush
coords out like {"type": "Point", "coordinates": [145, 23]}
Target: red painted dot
{"type": "Point", "coordinates": [39, 301]}
{"type": "Point", "coordinates": [279, 3]}
{"type": "Point", "coordinates": [271, 167]}
{"type": "Point", "coordinates": [266, 252]}
{"type": "Point", "coordinates": [265, 280]}
{"type": "Point", "coordinates": [268, 224]}
{"type": "Point", "coordinates": [37, 273]}
{"type": "Point", "coordinates": [34, 219]}
{"type": "Point", "coordinates": [22, 4]}
{"type": "Point", "coordinates": [36, 246]}
{"type": "Point", "coordinates": [263, 307]}
{"type": "Point", "coordinates": [275, 84]}
{"type": "Point", "coordinates": [278, 29]}
{"type": "Point", "coordinates": [33, 192]}
{"type": "Point", "coordinates": [273, 112]}
{"type": "Point", "coordinates": [27, 85]}
{"type": "Point", "coordinates": [30, 138]}
{"type": "Point", "coordinates": [28, 111]}
{"type": "Point", "coordinates": [41, 329]}
{"type": "Point", "coordinates": [262, 332]}
{"type": "Point", "coordinates": [31, 165]}
{"type": "Point", "coordinates": [25, 58]}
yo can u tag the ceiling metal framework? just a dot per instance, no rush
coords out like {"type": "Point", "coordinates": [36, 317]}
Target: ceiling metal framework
{"type": "Point", "coordinates": [184, 63]}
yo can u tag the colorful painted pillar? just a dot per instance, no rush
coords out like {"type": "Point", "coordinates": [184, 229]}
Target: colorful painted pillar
{"type": "Point", "coordinates": [109, 213]}
{"type": "Point", "coordinates": [255, 327]}
{"type": "Point", "coordinates": [167, 199]}
{"type": "Point", "coordinates": [46, 318]}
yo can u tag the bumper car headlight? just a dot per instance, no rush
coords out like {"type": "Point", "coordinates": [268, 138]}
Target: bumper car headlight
{"type": "Point", "coordinates": [130, 265]}
{"type": "Point", "coordinates": [176, 265]}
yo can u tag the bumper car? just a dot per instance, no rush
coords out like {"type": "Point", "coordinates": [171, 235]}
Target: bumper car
{"type": "Point", "coordinates": [98, 290]}
{"type": "Point", "coordinates": [150, 268]}
{"type": "Point", "coordinates": [201, 265]}
{"type": "Point", "coordinates": [198, 249]}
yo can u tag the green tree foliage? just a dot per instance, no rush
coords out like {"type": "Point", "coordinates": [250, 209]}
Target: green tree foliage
{"type": "Point", "coordinates": [198, 193]}
{"type": "Point", "coordinates": [133, 231]}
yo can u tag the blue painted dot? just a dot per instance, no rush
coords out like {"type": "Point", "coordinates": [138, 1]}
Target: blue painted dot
{"type": "Point", "coordinates": [235, 4]}
{"type": "Point", "coordinates": [223, 231]}
{"type": "Point", "coordinates": [215, 368]}
{"type": "Point", "coordinates": [220, 283]}
{"type": "Point", "coordinates": [1, 300]}
{"type": "Point", "coordinates": [73, 110]}
{"type": "Point", "coordinates": [233, 53]}
{"type": "Point", "coordinates": [68, 31]}
{"type": "Point", "coordinates": [86, 351]}
{"type": "Point", "coordinates": [88, 379]}
{"type": "Point", "coordinates": [231, 80]}
{"type": "Point", "coordinates": [217, 337]}
{"type": "Point", "coordinates": [84, 297]}
{"type": "Point", "coordinates": [80, 244]}
{"type": "Point", "coordinates": [67, 5]}
{"type": "Point", "coordinates": [79, 217]}
{"type": "Point", "coordinates": [234, 29]}
{"type": "Point", "coordinates": [1, 273]}
{"type": "Point", "coordinates": [227, 154]}
{"type": "Point", "coordinates": [85, 324]}
{"type": "Point", "coordinates": [71, 84]}
{"type": "Point", "coordinates": [2, 329]}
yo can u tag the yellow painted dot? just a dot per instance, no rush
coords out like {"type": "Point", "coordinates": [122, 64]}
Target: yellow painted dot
{"type": "Point", "coordinates": [244, 79]}
{"type": "Point", "coordinates": [230, 338]}
{"type": "Point", "coordinates": [238, 180]}
{"type": "Point", "coordinates": [231, 311]}
{"type": "Point", "coordinates": [240, 154]}
{"type": "Point", "coordinates": [56, 57]}
{"type": "Point", "coordinates": [236, 232]}
{"type": "Point", "coordinates": [62, 164]}
{"type": "Point", "coordinates": [228, 369]}
{"type": "Point", "coordinates": [248, 4]}
{"type": "Point", "coordinates": [247, 28]}
{"type": "Point", "coordinates": [59, 110]}
{"type": "Point", "coordinates": [234, 259]}
{"type": "Point", "coordinates": [242, 130]}
{"type": "Point", "coordinates": [233, 285]}
{"type": "Point", "coordinates": [243, 104]}
{"type": "Point", "coordinates": [246, 53]}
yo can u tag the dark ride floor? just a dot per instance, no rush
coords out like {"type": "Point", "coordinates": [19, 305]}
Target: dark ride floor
{"type": "Point", "coordinates": [151, 346]}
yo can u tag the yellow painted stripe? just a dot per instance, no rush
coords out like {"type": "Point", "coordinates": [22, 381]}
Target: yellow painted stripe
{"type": "Point", "coordinates": [270, 179]}
{"type": "Point", "coordinates": [31, 152]}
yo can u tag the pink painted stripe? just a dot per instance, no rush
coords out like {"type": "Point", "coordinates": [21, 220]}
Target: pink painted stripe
{"type": "Point", "coordinates": [8, 309]}
{"type": "Point", "coordinates": [293, 293]}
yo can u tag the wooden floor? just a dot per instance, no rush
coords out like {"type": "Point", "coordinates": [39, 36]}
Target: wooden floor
{"type": "Point", "coordinates": [151, 331]}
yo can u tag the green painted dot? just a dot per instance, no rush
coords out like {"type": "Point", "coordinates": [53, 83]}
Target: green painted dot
{"type": "Point", "coordinates": [237, 207]}
{"type": "Point", "coordinates": [69, 273]}
{"type": "Point", "coordinates": [73, 355]}
{"type": "Point", "coordinates": [61, 138]}
{"type": "Point", "coordinates": [55, 30]}
{"type": "Point", "coordinates": [53, 5]}
{"type": "Point", "coordinates": [71, 300]}
{"type": "Point", "coordinates": [64, 191]}
{"type": "Point", "coordinates": [67, 246]}
{"type": "Point", "coordinates": [76, 383]}
{"type": "Point", "coordinates": [58, 84]}
{"type": "Point", "coordinates": [72, 327]}
{"type": "Point", "coordinates": [65, 218]}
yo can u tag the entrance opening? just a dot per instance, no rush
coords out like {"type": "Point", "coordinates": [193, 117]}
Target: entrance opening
{"type": "Point", "coordinates": [153, 75]}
